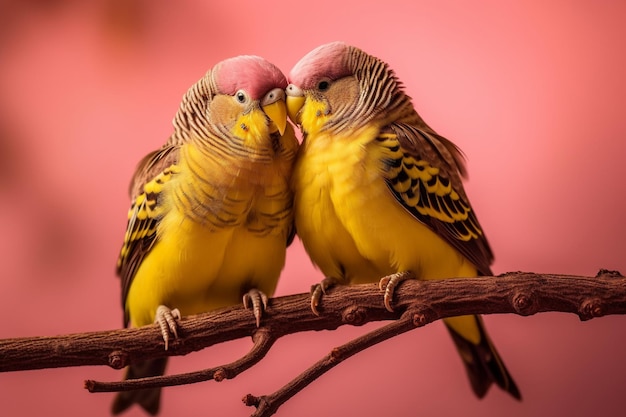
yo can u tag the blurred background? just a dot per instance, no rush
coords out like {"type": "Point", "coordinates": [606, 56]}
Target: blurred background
{"type": "Point", "coordinates": [532, 91]}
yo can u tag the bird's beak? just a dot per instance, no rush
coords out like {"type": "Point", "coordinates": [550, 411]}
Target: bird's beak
{"type": "Point", "coordinates": [295, 101]}
{"type": "Point", "coordinates": [277, 112]}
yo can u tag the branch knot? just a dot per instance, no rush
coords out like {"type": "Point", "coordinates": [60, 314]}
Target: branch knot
{"type": "Point", "coordinates": [251, 400]}
{"type": "Point", "coordinates": [590, 308]}
{"type": "Point", "coordinates": [220, 374]}
{"type": "Point", "coordinates": [118, 359]}
{"type": "Point", "coordinates": [419, 319]}
{"type": "Point", "coordinates": [354, 315]}
{"type": "Point", "coordinates": [609, 273]}
{"type": "Point", "coordinates": [524, 303]}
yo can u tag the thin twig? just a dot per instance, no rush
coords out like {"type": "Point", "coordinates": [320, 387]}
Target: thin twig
{"type": "Point", "coordinates": [266, 405]}
{"type": "Point", "coordinates": [263, 341]}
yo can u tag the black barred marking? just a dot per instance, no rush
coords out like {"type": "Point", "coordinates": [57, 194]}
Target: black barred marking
{"type": "Point", "coordinates": [444, 208]}
{"type": "Point", "coordinates": [191, 124]}
{"type": "Point", "coordinates": [152, 196]}
{"type": "Point", "coordinates": [144, 215]}
{"type": "Point", "coordinates": [380, 92]}
{"type": "Point", "coordinates": [433, 201]}
{"type": "Point", "coordinates": [428, 194]}
{"type": "Point", "coordinates": [422, 193]}
{"type": "Point", "coordinates": [460, 207]}
{"type": "Point", "coordinates": [461, 228]}
{"type": "Point", "coordinates": [448, 206]}
{"type": "Point", "coordinates": [410, 194]}
{"type": "Point", "coordinates": [401, 177]}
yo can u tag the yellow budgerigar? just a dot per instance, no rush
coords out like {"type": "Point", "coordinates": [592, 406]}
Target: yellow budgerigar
{"type": "Point", "coordinates": [211, 212]}
{"type": "Point", "coordinates": [378, 193]}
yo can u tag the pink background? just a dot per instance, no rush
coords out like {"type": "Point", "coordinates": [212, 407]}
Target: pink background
{"type": "Point", "coordinates": [532, 91]}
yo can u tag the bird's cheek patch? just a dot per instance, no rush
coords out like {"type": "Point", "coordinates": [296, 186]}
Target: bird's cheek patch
{"type": "Point", "coordinates": [251, 127]}
{"type": "Point", "coordinates": [314, 115]}
{"type": "Point", "coordinates": [223, 110]}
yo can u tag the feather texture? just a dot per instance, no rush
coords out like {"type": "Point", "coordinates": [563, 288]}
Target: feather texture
{"type": "Point", "coordinates": [378, 191]}
{"type": "Point", "coordinates": [424, 177]}
{"type": "Point", "coordinates": [211, 210]}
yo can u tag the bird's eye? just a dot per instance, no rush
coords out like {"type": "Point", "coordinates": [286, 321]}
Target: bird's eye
{"type": "Point", "coordinates": [323, 85]}
{"type": "Point", "coordinates": [241, 96]}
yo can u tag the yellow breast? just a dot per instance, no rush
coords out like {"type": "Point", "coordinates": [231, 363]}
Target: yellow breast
{"type": "Point", "coordinates": [350, 223]}
{"type": "Point", "coordinates": [223, 233]}
{"type": "Point", "coordinates": [333, 178]}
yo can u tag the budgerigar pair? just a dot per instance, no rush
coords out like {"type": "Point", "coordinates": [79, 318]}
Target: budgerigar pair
{"type": "Point", "coordinates": [372, 192]}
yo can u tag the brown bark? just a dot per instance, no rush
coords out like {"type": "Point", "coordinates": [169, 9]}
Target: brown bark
{"type": "Point", "coordinates": [416, 303]}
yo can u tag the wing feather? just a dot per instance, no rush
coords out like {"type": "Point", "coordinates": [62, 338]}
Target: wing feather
{"type": "Point", "coordinates": [145, 212]}
{"type": "Point", "coordinates": [424, 174]}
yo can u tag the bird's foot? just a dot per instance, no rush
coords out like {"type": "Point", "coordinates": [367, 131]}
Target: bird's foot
{"type": "Point", "coordinates": [166, 319]}
{"type": "Point", "coordinates": [258, 301]}
{"type": "Point", "coordinates": [389, 284]}
{"type": "Point", "coordinates": [318, 290]}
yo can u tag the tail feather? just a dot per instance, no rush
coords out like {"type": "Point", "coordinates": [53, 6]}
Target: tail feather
{"type": "Point", "coordinates": [483, 364]}
{"type": "Point", "coordinates": [150, 398]}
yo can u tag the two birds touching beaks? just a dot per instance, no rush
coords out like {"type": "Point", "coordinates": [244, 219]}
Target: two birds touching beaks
{"type": "Point", "coordinates": [372, 191]}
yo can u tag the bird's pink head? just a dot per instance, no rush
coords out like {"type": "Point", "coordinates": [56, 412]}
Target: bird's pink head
{"type": "Point", "coordinates": [251, 73]}
{"type": "Point", "coordinates": [327, 60]}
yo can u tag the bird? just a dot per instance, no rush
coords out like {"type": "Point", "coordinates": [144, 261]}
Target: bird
{"type": "Point", "coordinates": [211, 210]}
{"type": "Point", "coordinates": [378, 194]}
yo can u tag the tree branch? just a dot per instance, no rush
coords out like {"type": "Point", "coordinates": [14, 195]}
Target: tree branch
{"type": "Point", "coordinates": [263, 341]}
{"type": "Point", "coordinates": [416, 303]}
{"type": "Point", "coordinates": [268, 404]}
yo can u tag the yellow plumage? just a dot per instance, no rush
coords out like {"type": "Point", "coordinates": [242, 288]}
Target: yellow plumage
{"type": "Point", "coordinates": [379, 193]}
{"type": "Point", "coordinates": [337, 177]}
{"type": "Point", "coordinates": [204, 259]}
{"type": "Point", "coordinates": [211, 215]}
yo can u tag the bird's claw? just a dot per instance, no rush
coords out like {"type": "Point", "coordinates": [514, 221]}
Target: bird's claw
{"type": "Point", "coordinates": [318, 290]}
{"type": "Point", "coordinates": [389, 285]}
{"type": "Point", "coordinates": [166, 319]}
{"type": "Point", "coordinates": [258, 301]}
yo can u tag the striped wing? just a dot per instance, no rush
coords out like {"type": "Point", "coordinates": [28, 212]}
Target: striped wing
{"type": "Point", "coordinates": [424, 174]}
{"type": "Point", "coordinates": [155, 170]}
